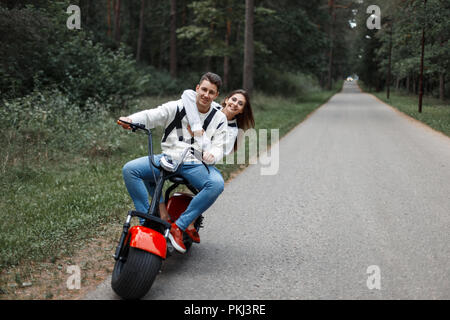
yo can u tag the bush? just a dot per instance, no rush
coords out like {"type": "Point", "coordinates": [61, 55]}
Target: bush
{"type": "Point", "coordinates": [46, 126]}
{"type": "Point", "coordinates": [272, 81]}
{"type": "Point", "coordinates": [161, 83]}
{"type": "Point", "coordinates": [23, 42]}
{"type": "Point", "coordinates": [40, 51]}
{"type": "Point", "coordinates": [85, 70]}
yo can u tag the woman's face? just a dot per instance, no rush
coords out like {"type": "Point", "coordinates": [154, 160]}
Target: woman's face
{"type": "Point", "coordinates": [235, 104]}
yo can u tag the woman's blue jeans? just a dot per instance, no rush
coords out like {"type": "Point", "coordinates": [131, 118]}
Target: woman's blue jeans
{"type": "Point", "coordinates": [140, 182]}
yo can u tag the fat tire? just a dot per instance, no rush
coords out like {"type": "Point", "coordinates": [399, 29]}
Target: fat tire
{"type": "Point", "coordinates": [133, 278]}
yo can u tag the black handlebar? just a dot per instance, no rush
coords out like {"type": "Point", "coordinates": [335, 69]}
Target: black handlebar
{"type": "Point", "coordinates": [135, 126]}
{"type": "Point", "coordinates": [140, 126]}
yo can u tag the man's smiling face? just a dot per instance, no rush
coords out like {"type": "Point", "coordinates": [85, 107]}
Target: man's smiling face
{"type": "Point", "coordinates": [206, 93]}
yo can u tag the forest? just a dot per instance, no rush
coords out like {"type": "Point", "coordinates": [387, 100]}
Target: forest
{"type": "Point", "coordinates": [158, 47]}
{"type": "Point", "coordinates": [411, 44]}
{"type": "Point", "coordinates": [133, 47]}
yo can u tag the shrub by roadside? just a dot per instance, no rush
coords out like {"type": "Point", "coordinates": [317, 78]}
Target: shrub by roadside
{"type": "Point", "coordinates": [45, 126]}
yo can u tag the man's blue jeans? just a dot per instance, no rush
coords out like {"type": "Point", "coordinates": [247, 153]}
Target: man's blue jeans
{"type": "Point", "coordinates": [140, 182]}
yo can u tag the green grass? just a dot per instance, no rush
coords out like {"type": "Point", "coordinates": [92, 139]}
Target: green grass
{"type": "Point", "coordinates": [52, 209]}
{"type": "Point", "coordinates": [48, 209]}
{"type": "Point", "coordinates": [435, 112]}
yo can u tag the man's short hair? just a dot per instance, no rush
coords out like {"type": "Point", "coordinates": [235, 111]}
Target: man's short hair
{"type": "Point", "coordinates": [213, 78]}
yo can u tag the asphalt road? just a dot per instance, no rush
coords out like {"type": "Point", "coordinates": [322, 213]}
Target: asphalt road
{"type": "Point", "coordinates": [358, 185]}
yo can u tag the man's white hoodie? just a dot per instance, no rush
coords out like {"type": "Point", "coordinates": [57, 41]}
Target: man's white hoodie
{"type": "Point", "coordinates": [176, 137]}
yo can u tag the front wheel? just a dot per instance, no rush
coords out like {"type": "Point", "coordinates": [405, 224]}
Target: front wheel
{"type": "Point", "coordinates": [133, 275]}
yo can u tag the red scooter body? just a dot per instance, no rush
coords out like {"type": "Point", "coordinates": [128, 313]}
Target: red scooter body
{"type": "Point", "coordinates": [152, 241]}
{"type": "Point", "coordinates": [177, 204]}
{"type": "Point", "coordinates": [149, 240]}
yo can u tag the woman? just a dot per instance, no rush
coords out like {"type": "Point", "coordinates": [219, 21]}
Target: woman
{"type": "Point", "coordinates": [237, 108]}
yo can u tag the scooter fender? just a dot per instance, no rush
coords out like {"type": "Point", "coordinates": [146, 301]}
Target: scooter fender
{"type": "Point", "coordinates": [149, 240]}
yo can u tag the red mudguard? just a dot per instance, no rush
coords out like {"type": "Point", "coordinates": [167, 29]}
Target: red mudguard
{"type": "Point", "coordinates": [149, 240]}
{"type": "Point", "coordinates": [177, 204]}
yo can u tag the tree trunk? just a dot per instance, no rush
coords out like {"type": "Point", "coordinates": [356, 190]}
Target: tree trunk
{"type": "Point", "coordinates": [132, 25]}
{"type": "Point", "coordinates": [183, 17]}
{"type": "Point", "coordinates": [330, 53]}
{"type": "Point", "coordinates": [108, 16]}
{"type": "Point", "coordinates": [226, 72]}
{"type": "Point", "coordinates": [442, 86]}
{"type": "Point", "coordinates": [414, 88]}
{"type": "Point", "coordinates": [248, 47]}
{"type": "Point", "coordinates": [330, 67]}
{"type": "Point", "coordinates": [173, 38]}
{"type": "Point", "coordinates": [86, 16]}
{"type": "Point", "coordinates": [162, 50]}
{"type": "Point", "coordinates": [141, 31]}
{"type": "Point", "coordinates": [388, 81]}
{"type": "Point", "coordinates": [421, 66]}
{"type": "Point", "coordinates": [226, 58]}
{"type": "Point", "coordinates": [117, 23]}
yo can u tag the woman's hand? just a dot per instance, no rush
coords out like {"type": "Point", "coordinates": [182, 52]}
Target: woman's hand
{"type": "Point", "coordinates": [208, 157]}
{"type": "Point", "coordinates": [197, 133]}
{"type": "Point", "coordinates": [124, 125]}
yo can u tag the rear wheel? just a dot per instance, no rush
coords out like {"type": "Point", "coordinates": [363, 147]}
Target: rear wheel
{"type": "Point", "coordinates": [134, 273]}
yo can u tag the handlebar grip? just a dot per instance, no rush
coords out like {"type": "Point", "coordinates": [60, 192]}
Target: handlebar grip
{"type": "Point", "coordinates": [131, 125]}
{"type": "Point", "coordinates": [124, 124]}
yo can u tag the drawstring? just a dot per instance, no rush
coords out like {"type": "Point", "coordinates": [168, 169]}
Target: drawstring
{"type": "Point", "coordinates": [199, 156]}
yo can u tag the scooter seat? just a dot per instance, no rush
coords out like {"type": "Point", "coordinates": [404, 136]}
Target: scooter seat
{"type": "Point", "coordinates": [178, 179]}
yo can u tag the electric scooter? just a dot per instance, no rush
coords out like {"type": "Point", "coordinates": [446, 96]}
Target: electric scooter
{"type": "Point", "coordinates": [142, 248]}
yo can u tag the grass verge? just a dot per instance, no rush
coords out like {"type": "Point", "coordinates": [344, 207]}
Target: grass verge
{"type": "Point", "coordinates": [435, 112]}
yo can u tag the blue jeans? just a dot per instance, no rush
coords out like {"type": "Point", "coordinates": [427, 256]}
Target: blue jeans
{"type": "Point", "coordinates": [140, 182]}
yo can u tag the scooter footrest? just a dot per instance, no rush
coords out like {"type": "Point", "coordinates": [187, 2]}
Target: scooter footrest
{"type": "Point", "coordinates": [150, 217]}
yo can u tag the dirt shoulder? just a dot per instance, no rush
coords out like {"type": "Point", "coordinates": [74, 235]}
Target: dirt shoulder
{"type": "Point", "coordinates": [56, 280]}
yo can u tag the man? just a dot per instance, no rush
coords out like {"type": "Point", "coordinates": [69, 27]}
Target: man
{"type": "Point", "coordinates": [139, 177]}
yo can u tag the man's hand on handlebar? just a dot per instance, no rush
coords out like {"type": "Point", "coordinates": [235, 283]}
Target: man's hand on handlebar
{"type": "Point", "coordinates": [124, 125]}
